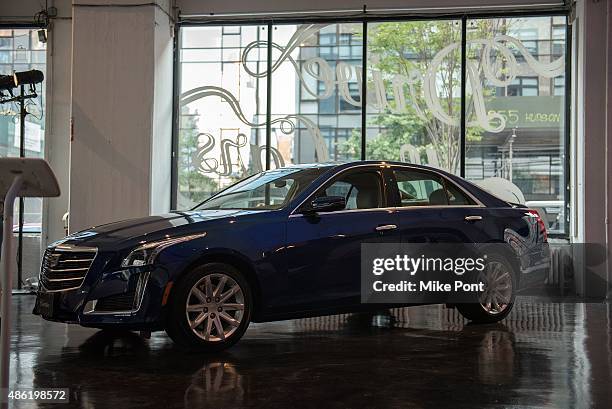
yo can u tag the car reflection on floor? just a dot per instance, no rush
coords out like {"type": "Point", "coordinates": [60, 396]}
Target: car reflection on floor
{"type": "Point", "coordinates": [544, 354]}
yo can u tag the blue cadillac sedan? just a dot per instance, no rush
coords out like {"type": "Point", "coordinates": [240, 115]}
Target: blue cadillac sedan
{"type": "Point", "coordinates": [280, 244]}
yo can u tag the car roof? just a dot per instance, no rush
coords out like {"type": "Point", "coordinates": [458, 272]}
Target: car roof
{"type": "Point", "coordinates": [348, 164]}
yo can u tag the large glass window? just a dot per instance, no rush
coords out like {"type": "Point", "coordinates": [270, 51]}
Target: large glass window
{"type": "Point", "coordinates": [515, 111]}
{"type": "Point", "coordinates": [515, 99]}
{"type": "Point", "coordinates": [222, 123]}
{"type": "Point", "coordinates": [414, 92]}
{"type": "Point", "coordinates": [21, 50]}
{"type": "Point", "coordinates": [316, 102]}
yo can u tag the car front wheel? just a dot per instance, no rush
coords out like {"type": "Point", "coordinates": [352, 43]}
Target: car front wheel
{"type": "Point", "coordinates": [210, 308]}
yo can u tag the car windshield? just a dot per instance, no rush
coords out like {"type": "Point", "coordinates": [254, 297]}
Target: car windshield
{"type": "Point", "coordinates": [268, 190]}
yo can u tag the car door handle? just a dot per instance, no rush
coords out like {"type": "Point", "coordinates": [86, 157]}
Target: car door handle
{"type": "Point", "coordinates": [384, 227]}
{"type": "Point", "coordinates": [473, 218]}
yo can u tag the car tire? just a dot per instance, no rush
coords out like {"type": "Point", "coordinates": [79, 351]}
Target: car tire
{"type": "Point", "coordinates": [200, 303]}
{"type": "Point", "coordinates": [497, 301]}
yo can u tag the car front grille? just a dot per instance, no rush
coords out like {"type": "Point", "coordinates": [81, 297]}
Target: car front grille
{"type": "Point", "coordinates": [64, 268]}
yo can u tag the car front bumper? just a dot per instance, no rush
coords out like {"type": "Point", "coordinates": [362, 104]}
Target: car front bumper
{"type": "Point", "coordinates": [130, 298]}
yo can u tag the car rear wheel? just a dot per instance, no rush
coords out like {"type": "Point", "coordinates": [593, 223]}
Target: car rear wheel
{"type": "Point", "coordinates": [496, 301]}
{"type": "Point", "coordinates": [210, 308]}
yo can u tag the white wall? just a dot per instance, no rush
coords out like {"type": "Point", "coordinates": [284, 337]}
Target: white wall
{"type": "Point", "coordinates": [161, 141]}
{"type": "Point", "coordinates": [121, 111]}
{"type": "Point", "coordinates": [112, 105]}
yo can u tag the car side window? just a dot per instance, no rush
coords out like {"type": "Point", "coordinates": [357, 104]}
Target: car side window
{"type": "Point", "coordinates": [420, 188]}
{"type": "Point", "coordinates": [456, 197]}
{"type": "Point", "coordinates": [361, 190]}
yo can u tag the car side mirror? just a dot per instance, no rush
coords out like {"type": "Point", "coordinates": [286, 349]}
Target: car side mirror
{"type": "Point", "coordinates": [327, 204]}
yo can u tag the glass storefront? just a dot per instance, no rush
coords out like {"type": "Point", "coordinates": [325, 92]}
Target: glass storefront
{"type": "Point", "coordinates": [21, 50]}
{"type": "Point", "coordinates": [515, 89]}
{"type": "Point", "coordinates": [316, 91]}
{"type": "Point", "coordinates": [515, 114]}
{"type": "Point", "coordinates": [414, 87]}
{"type": "Point", "coordinates": [222, 130]}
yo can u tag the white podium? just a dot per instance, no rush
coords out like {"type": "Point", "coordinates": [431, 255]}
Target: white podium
{"type": "Point", "coordinates": [19, 177]}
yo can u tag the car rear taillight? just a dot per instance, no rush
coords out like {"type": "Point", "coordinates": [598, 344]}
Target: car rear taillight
{"type": "Point", "coordinates": [541, 224]}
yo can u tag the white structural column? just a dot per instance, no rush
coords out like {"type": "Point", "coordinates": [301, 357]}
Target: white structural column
{"type": "Point", "coordinates": [161, 142]}
{"type": "Point", "coordinates": [121, 110]}
{"type": "Point", "coordinates": [57, 132]}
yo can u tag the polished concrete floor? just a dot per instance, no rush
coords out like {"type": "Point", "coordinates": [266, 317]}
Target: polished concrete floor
{"type": "Point", "coordinates": [544, 355]}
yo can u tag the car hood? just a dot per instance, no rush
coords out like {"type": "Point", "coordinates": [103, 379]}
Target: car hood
{"type": "Point", "coordinates": [149, 228]}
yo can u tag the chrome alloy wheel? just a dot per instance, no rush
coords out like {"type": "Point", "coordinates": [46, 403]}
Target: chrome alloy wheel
{"type": "Point", "coordinates": [497, 293]}
{"type": "Point", "coordinates": [215, 307]}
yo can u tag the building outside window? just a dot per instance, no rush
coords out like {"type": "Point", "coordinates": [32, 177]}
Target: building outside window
{"type": "Point", "coordinates": [528, 37]}
{"type": "Point", "coordinates": [558, 39]}
{"type": "Point", "coordinates": [558, 84]}
{"type": "Point", "coordinates": [522, 87]}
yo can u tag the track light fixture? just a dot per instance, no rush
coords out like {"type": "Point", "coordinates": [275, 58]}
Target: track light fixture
{"type": "Point", "coordinates": [20, 79]}
{"type": "Point", "coordinates": [7, 82]}
{"type": "Point", "coordinates": [28, 77]}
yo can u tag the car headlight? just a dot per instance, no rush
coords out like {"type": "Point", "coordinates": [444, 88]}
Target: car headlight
{"type": "Point", "coordinates": [147, 253]}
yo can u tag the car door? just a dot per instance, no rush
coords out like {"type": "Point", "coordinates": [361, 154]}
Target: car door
{"type": "Point", "coordinates": [431, 208]}
{"type": "Point", "coordinates": [323, 249]}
